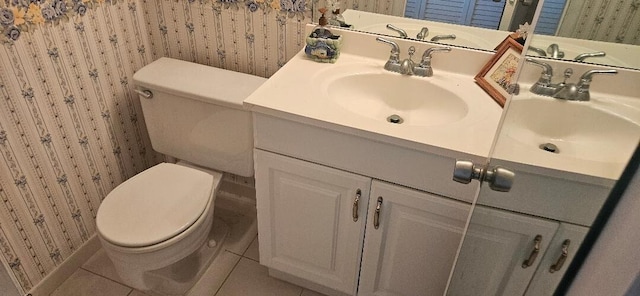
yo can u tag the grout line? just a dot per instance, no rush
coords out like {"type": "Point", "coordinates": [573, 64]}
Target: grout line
{"type": "Point", "coordinates": [104, 277]}
{"type": "Point", "coordinates": [228, 275]}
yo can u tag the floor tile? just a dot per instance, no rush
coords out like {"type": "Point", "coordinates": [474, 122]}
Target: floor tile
{"type": "Point", "coordinates": [306, 292]}
{"type": "Point", "coordinates": [137, 293]}
{"type": "Point", "coordinates": [242, 220]}
{"type": "Point", "coordinates": [83, 283]}
{"type": "Point", "coordinates": [215, 275]}
{"type": "Point", "coordinates": [252, 252]}
{"type": "Point", "coordinates": [249, 278]}
{"type": "Point", "coordinates": [100, 264]}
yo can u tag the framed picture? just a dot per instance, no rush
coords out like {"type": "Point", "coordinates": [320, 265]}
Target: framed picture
{"type": "Point", "coordinates": [495, 77]}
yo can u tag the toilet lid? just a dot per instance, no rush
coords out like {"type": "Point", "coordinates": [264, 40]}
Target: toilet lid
{"type": "Point", "coordinates": [154, 206]}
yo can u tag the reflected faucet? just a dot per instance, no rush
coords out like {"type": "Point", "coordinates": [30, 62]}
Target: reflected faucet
{"type": "Point", "coordinates": [564, 91]}
{"type": "Point", "coordinates": [403, 33]}
{"type": "Point", "coordinates": [543, 86]}
{"type": "Point", "coordinates": [580, 91]}
{"type": "Point", "coordinates": [423, 33]}
{"type": "Point", "coordinates": [554, 51]}
{"type": "Point", "coordinates": [443, 37]}
{"type": "Point", "coordinates": [581, 57]}
{"type": "Point", "coordinates": [539, 51]}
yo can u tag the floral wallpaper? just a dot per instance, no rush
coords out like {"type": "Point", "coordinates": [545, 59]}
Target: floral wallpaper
{"type": "Point", "coordinates": [71, 127]}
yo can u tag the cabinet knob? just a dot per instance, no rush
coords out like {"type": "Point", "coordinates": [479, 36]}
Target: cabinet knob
{"type": "Point", "coordinates": [563, 256]}
{"type": "Point", "coordinates": [499, 178]}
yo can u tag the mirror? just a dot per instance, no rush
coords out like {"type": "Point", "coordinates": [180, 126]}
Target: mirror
{"type": "Point", "coordinates": [576, 27]}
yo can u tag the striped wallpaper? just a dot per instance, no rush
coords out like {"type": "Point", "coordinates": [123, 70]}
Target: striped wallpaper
{"type": "Point", "coordinates": [604, 20]}
{"type": "Point", "coordinates": [71, 128]}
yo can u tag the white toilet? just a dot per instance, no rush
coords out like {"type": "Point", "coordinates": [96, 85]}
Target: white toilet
{"type": "Point", "coordinates": [155, 226]}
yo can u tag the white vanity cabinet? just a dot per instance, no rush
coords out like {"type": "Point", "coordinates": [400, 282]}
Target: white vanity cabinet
{"type": "Point", "coordinates": [312, 222]}
{"type": "Point", "coordinates": [506, 253]}
{"type": "Point", "coordinates": [306, 221]}
{"type": "Point", "coordinates": [412, 249]}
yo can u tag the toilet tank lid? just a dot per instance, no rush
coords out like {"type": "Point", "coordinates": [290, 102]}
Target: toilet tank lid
{"type": "Point", "coordinates": [200, 82]}
{"type": "Point", "coordinates": [154, 205]}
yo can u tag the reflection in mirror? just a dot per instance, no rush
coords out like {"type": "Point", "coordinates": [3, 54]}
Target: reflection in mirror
{"type": "Point", "coordinates": [573, 29]}
{"type": "Point", "coordinates": [600, 32]}
{"type": "Point", "coordinates": [566, 155]}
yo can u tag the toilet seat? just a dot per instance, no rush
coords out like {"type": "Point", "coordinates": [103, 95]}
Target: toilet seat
{"type": "Point", "coordinates": [154, 206]}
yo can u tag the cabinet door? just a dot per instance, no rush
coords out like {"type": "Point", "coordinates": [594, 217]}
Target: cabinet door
{"type": "Point", "coordinates": [305, 220]}
{"type": "Point", "coordinates": [568, 239]}
{"type": "Point", "coordinates": [496, 245]}
{"type": "Point", "coordinates": [413, 249]}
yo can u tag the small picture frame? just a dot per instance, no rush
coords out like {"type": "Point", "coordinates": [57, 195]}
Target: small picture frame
{"type": "Point", "coordinates": [495, 77]}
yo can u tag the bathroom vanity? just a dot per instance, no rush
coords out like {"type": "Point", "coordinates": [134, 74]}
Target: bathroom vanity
{"type": "Point", "coordinates": [352, 201]}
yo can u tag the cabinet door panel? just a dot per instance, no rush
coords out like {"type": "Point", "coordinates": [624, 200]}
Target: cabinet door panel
{"type": "Point", "coordinates": [306, 227]}
{"type": "Point", "coordinates": [495, 247]}
{"type": "Point", "coordinates": [412, 251]}
{"type": "Point", "coordinates": [545, 282]}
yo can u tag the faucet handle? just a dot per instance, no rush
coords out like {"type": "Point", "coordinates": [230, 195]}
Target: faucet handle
{"type": "Point", "coordinates": [424, 69]}
{"type": "Point", "coordinates": [547, 71]}
{"type": "Point", "coordinates": [395, 49]}
{"type": "Point", "coordinates": [585, 79]}
{"type": "Point", "coordinates": [403, 33]}
{"type": "Point", "coordinates": [426, 56]}
{"type": "Point", "coordinates": [423, 33]}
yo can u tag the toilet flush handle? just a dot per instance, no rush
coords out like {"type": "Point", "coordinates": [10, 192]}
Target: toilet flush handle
{"type": "Point", "coordinates": [147, 94]}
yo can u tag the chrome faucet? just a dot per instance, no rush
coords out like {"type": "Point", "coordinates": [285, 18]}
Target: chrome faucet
{"type": "Point", "coordinates": [424, 69]}
{"type": "Point", "coordinates": [554, 51]}
{"type": "Point", "coordinates": [423, 33]}
{"type": "Point", "coordinates": [403, 33]}
{"type": "Point", "coordinates": [581, 57]}
{"type": "Point", "coordinates": [580, 91]}
{"type": "Point", "coordinates": [443, 37]}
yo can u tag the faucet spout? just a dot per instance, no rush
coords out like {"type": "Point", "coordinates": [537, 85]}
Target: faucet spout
{"type": "Point", "coordinates": [443, 37]}
{"type": "Point", "coordinates": [554, 51]}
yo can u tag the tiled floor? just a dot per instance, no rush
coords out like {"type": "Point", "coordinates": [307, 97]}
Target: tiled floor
{"type": "Point", "coordinates": [234, 272]}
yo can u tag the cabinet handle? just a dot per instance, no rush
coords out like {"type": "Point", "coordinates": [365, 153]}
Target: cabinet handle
{"type": "Point", "coordinates": [376, 216]}
{"type": "Point", "coordinates": [563, 256]}
{"type": "Point", "coordinates": [356, 201]}
{"type": "Point", "coordinates": [534, 254]}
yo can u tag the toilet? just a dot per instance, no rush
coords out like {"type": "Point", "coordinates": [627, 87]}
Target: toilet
{"type": "Point", "coordinates": [158, 227]}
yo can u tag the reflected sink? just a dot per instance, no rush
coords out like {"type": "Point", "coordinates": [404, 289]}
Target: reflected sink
{"type": "Point", "coordinates": [580, 130]}
{"type": "Point", "coordinates": [410, 100]}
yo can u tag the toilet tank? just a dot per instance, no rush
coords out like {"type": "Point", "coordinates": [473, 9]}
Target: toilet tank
{"type": "Point", "coordinates": [196, 113]}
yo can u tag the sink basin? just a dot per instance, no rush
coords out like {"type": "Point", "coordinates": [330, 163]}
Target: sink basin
{"type": "Point", "coordinates": [581, 130]}
{"type": "Point", "coordinates": [400, 99]}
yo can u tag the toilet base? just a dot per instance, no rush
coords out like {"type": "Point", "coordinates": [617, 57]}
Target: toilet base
{"type": "Point", "coordinates": [178, 278]}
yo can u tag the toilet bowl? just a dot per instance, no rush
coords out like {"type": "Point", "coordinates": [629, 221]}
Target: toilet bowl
{"type": "Point", "coordinates": [155, 225]}
{"type": "Point", "coordinates": [156, 218]}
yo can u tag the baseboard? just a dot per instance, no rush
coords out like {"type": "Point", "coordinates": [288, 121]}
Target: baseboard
{"type": "Point", "coordinates": [67, 268]}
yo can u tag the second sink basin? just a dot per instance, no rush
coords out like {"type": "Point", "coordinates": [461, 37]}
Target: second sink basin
{"type": "Point", "coordinates": [398, 99]}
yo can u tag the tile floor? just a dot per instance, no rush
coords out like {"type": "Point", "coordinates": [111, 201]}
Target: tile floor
{"type": "Point", "coordinates": [234, 272]}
